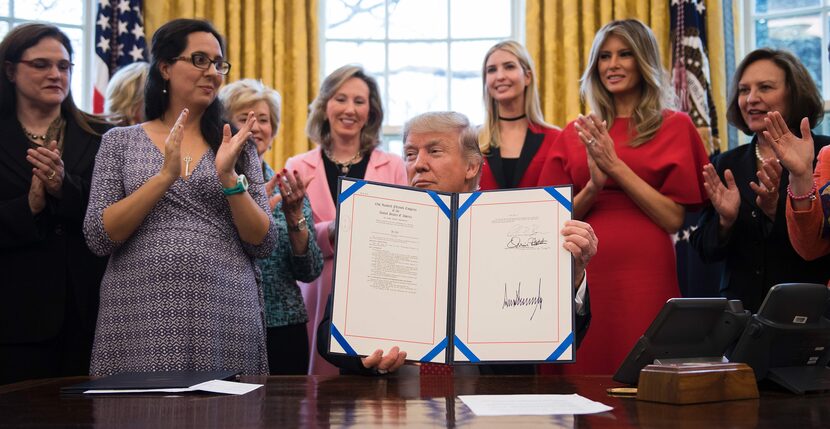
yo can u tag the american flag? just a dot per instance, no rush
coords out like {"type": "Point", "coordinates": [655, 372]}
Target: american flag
{"type": "Point", "coordinates": [119, 40]}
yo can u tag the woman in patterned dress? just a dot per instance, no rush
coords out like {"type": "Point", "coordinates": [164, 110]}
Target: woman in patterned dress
{"type": "Point", "coordinates": [296, 256]}
{"type": "Point", "coordinates": [180, 225]}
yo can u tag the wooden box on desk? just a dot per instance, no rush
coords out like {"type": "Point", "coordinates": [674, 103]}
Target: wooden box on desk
{"type": "Point", "coordinates": [696, 383]}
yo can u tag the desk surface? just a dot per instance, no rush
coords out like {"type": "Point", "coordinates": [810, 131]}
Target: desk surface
{"type": "Point", "coordinates": [348, 401]}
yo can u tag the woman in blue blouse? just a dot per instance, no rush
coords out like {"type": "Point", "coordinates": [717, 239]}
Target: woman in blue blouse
{"type": "Point", "coordinates": [296, 256]}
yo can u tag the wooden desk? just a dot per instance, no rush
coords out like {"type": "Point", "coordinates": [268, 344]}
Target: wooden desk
{"type": "Point", "coordinates": [352, 401]}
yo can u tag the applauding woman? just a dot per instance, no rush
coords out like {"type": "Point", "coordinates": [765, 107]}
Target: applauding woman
{"type": "Point", "coordinates": [635, 166]}
{"type": "Point", "coordinates": [179, 203]}
{"type": "Point", "coordinates": [515, 137]}
{"type": "Point", "coordinates": [345, 120]}
{"type": "Point", "coordinates": [772, 95]}
{"type": "Point", "coordinates": [296, 256]}
{"type": "Point", "coordinates": [50, 278]}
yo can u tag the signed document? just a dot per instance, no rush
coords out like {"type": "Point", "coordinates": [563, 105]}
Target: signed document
{"type": "Point", "coordinates": [452, 278]}
{"type": "Point", "coordinates": [514, 290]}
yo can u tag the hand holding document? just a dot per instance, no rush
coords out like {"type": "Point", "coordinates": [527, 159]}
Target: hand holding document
{"type": "Point", "coordinates": [453, 278]}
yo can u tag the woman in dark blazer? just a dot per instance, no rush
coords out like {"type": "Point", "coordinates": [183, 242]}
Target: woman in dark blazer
{"type": "Point", "coordinates": [50, 278]}
{"type": "Point", "coordinates": [746, 224]}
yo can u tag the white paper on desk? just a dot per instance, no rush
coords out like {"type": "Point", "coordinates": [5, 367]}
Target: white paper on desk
{"type": "Point", "coordinates": [517, 405]}
{"type": "Point", "coordinates": [226, 387]}
{"type": "Point", "coordinates": [213, 386]}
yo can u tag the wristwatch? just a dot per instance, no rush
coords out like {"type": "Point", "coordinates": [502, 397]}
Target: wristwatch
{"type": "Point", "coordinates": [300, 226]}
{"type": "Point", "coordinates": [241, 186]}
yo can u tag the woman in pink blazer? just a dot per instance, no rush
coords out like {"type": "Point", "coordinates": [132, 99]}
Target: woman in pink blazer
{"type": "Point", "coordinates": [345, 122]}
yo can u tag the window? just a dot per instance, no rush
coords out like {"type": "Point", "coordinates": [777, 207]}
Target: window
{"type": "Point", "coordinates": [72, 17]}
{"type": "Point", "coordinates": [800, 26]}
{"type": "Point", "coordinates": [425, 54]}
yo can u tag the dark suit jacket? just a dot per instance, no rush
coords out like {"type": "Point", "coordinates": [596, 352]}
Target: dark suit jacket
{"type": "Point", "coordinates": [757, 252]}
{"type": "Point", "coordinates": [353, 365]}
{"type": "Point", "coordinates": [44, 259]}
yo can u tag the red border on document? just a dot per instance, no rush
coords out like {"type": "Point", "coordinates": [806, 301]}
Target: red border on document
{"type": "Point", "coordinates": [349, 271]}
{"type": "Point", "coordinates": [469, 270]}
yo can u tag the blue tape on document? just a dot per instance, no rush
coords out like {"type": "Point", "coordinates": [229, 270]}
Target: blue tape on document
{"type": "Point", "coordinates": [342, 341]}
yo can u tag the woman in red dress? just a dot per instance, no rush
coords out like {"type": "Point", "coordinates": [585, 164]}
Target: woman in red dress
{"type": "Point", "coordinates": [514, 137]}
{"type": "Point", "coordinates": [635, 166]}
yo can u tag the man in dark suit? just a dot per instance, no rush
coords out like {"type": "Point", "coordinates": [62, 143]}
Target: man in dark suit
{"type": "Point", "coordinates": [441, 153]}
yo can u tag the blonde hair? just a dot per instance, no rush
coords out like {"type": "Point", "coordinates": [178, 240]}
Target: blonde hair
{"type": "Point", "coordinates": [489, 135]}
{"type": "Point", "coordinates": [245, 93]}
{"type": "Point", "coordinates": [656, 94]}
{"type": "Point", "coordinates": [446, 122]}
{"type": "Point", "coordinates": [318, 128]}
{"type": "Point", "coordinates": [125, 91]}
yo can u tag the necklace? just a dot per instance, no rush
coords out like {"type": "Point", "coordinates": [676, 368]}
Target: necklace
{"type": "Point", "coordinates": [53, 132]}
{"type": "Point", "coordinates": [34, 137]}
{"type": "Point", "coordinates": [343, 166]}
{"type": "Point", "coordinates": [758, 152]}
{"type": "Point", "coordinates": [515, 118]}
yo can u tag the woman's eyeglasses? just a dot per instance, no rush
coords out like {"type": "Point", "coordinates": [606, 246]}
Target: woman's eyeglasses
{"type": "Point", "coordinates": [202, 61]}
{"type": "Point", "coordinates": [42, 64]}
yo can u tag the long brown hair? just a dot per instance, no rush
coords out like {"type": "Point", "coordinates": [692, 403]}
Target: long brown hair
{"type": "Point", "coordinates": [12, 48]}
{"type": "Point", "coordinates": [318, 128]}
{"type": "Point", "coordinates": [656, 94]}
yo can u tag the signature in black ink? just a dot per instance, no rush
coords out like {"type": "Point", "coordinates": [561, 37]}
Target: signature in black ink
{"type": "Point", "coordinates": [516, 242]}
{"type": "Point", "coordinates": [520, 301]}
{"type": "Point", "coordinates": [524, 235]}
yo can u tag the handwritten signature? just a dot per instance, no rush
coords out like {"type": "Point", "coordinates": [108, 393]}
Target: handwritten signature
{"type": "Point", "coordinates": [520, 301]}
{"type": "Point", "coordinates": [517, 242]}
{"type": "Point", "coordinates": [523, 236]}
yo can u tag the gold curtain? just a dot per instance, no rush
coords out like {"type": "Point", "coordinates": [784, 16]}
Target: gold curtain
{"type": "Point", "coordinates": [272, 40]}
{"type": "Point", "coordinates": [559, 37]}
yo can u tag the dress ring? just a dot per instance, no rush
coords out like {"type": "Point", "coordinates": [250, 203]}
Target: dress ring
{"type": "Point", "coordinates": [592, 141]}
{"type": "Point", "coordinates": [51, 175]}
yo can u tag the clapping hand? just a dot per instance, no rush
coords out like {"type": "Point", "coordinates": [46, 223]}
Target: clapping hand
{"type": "Point", "coordinates": [172, 166]}
{"type": "Point", "coordinates": [599, 145]}
{"type": "Point", "coordinates": [725, 199]}
{"type": "Point", "coordinates": [229, 150]}
{"type": "Point", "coordinates": [37, 195]}
{"type": "Point", "coordinates": [767, 189]}
{"type": "Point", "coordinates": [292, 190]}
{"type": "Point", "coordinates": [48, 167]}
{"type": "Point", "coordinates": [796, 154]}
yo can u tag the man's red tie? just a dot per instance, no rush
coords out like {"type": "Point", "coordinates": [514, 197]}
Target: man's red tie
{"type": "Point", "coordinates": [436, 369]}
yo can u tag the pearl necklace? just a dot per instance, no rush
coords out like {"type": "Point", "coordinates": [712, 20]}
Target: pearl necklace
{"type": "Point", "coordinates": [758, 152]}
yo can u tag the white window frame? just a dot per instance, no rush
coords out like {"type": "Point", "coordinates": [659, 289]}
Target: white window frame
{"type": "Point", "coordinates": [392, 132]}
{"type": "Point", "coordinates": [84, 100]}
{"type": "Point", "coordinates": [823, 10]}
